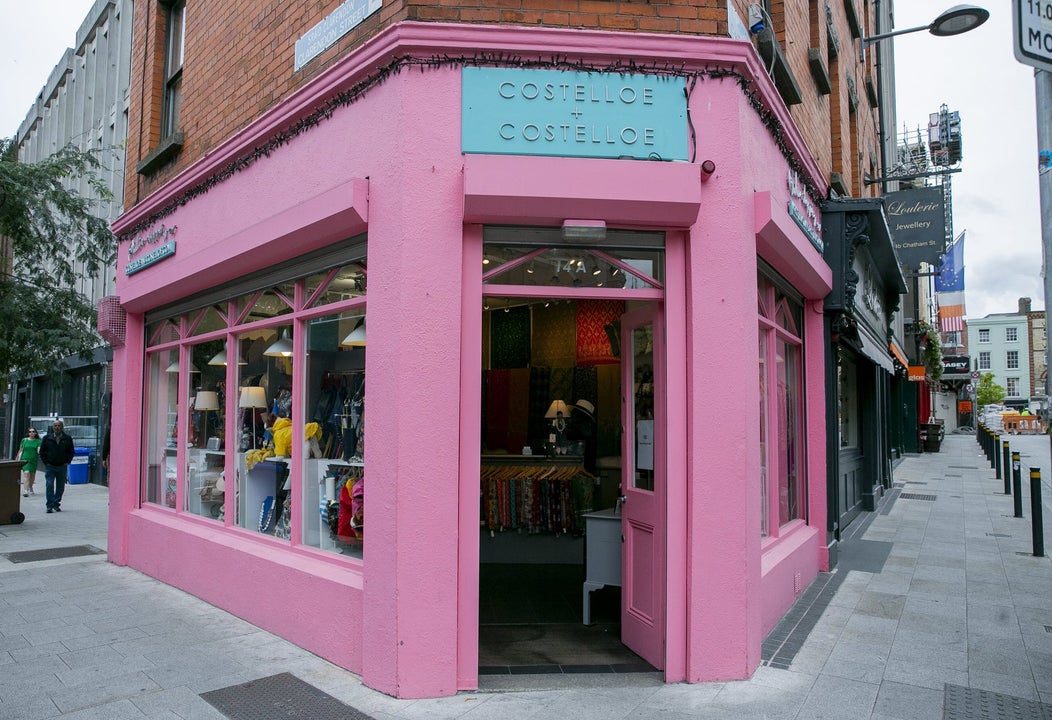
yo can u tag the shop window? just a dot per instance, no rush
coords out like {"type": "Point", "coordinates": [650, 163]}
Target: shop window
{"type": "Point", "coordinates": [782, 482]}
{"type": "Point", "coordinates": [332, 515]}
{"type": "Point", "coordinates": [208, 320]}
{"type": "Point", "coordinates": [530, 257]}
{"type": "Point", "coordinates": [233, 453]}
{"type": "Point", "coordinates": [266, 304]}
{"type": "Point", "coordinates": [336, 285]}
{"type": "Point", "coordinates": [161, 427]}
{"type": "Point", "coordinates": [848, 414]}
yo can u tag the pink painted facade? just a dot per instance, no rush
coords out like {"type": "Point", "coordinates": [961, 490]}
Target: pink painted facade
{"type": "Point", "coordinates": [390, 165]}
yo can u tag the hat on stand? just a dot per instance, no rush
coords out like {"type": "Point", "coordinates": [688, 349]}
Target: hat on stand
{"type": "Point", "coordinates": [585, 407]}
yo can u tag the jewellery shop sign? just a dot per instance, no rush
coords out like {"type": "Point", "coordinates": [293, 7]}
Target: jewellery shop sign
{"type": "Point", "coordinates": [161, 237]}
{"type": "Point", "coordinates": [514, 111]}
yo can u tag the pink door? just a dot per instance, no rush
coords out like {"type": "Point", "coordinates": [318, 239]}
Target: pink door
{"type": "Point", "coordinates": [643, 485]}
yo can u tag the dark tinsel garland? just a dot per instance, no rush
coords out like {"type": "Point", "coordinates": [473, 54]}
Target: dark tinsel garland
{"type": "Point", "coordinates": [358, 90]}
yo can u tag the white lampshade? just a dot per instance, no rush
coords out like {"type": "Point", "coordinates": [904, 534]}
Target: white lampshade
{"type": "Point", "coordinates": [220, 359]}
{"type": "Point", "coordinates": [206, 400]}
{"type": "Point", "coordinates": [252, 397]}
{"type": "Point", "coordinates": [356, 338]}
{"type": "Point", "coordinates": [174, 368]}
{"type": "Point", "coordinates": [556, 410]}
{"type": "Point", "coordinates": [282, 347]}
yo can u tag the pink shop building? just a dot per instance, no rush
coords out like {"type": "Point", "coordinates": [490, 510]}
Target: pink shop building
{"type": "Point", "coordinates": [589, 267]}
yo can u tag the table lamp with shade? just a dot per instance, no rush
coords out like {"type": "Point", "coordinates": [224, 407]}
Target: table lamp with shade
{"type": "Point", "coordinates": [205, 401]}
{"type": "Point", "coordinates": [253, 397]}
{"type": "Point", "coordinates": [558, 411]}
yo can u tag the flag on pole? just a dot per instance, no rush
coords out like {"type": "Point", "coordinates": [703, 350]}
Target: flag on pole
{"type": "Point", "coordinates": [949, 286]}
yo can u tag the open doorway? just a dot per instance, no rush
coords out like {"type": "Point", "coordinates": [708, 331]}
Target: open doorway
{"type": "Point", "coordinates": [553, 411]}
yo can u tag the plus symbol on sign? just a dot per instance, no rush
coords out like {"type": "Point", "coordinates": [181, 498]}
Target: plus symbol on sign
{"type": "Point", "coordinates": [576, 113]}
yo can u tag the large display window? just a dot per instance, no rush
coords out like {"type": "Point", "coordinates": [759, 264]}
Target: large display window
{"type": "Point", "coordinates": [239, 450]}
{"type": "Point", "coordinates": [781, 410]}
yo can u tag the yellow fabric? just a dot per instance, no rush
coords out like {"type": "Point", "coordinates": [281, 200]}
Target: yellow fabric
{"type": "Point", "coordinates": [311, 430]}
{"type": "Point", "coordinates": [282, 437]}
{"type": "Point", "coordinates": [254, 456]}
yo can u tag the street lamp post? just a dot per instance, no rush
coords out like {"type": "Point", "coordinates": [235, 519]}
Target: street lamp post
{"type": "Point", "coordinates": [958, 19]}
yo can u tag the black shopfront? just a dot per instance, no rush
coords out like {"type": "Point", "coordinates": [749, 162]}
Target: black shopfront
{"type": "Point", "coordinates": [867, 287]}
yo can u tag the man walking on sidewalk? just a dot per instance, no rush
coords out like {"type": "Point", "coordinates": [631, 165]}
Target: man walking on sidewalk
{"type": "Point", "coordinates": [56, 452]}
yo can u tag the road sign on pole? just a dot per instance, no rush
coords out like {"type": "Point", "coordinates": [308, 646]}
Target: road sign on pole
{"type": "Point", "coordinates": [1032, 32]}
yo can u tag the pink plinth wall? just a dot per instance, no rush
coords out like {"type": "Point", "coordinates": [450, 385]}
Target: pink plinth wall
{"type": "Point", "coordinates": [409, 613]}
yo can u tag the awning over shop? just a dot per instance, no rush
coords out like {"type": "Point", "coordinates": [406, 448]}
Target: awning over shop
{"type": "Point", "coordinates": [899, 355]}
{"type": "Point", "coordinates": [875, 351]}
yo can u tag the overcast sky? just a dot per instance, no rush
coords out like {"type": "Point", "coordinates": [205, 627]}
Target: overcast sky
{"type": "Point", "coordinates": [995, 197]}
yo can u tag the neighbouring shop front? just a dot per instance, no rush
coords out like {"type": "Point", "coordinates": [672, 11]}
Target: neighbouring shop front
{"type": "Point", "coordinates": [374, 394]}
{"type": "Point", "coordinates": [862, 356]}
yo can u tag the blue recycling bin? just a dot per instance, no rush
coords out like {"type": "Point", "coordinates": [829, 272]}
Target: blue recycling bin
{"type": "Point", "coordinates": [78, 469]}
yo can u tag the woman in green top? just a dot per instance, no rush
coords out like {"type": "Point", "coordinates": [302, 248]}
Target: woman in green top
{"type": "Point", "coordinates": [27, 453]}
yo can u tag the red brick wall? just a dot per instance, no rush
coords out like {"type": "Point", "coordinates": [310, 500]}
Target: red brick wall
{"type": "Point", "coordinates": [239, 61]}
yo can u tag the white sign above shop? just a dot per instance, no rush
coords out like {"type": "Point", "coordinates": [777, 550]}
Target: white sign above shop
{"type": "Point", "coordinates": [335, 25]}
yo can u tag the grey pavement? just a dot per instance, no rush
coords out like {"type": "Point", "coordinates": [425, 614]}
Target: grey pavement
{"type": "Point", "coordinates": [937, 610]}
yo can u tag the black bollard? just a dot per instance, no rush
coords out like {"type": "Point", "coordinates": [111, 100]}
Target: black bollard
{"type": "Point", "coordinates": [1008, 477]}
{"type": "Point", "coordinates": [1037, 529]}
{"type": "Point", "coordinates": [991, 448]}
{"type": "Point", "coordinates": [1017, 486]}
{"type": "Point", "coordinates": [997, 457]}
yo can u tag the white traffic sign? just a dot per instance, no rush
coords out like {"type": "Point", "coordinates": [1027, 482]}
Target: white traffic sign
{"type": "Point", "coordinates": [1032, 32]}
{"type": "Point", "coordinates": [969, 388]}
{"type": "Point", "coordinates": [975, 374]}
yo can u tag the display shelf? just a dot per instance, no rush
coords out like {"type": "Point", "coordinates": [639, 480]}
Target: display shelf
{"type": "Point", "coordinates": [318, 489]}
{"type": "Point", "coordinates": [264, 480]}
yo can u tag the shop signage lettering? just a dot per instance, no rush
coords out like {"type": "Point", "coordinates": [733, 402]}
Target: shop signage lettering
{"type": "Point", "coordinates": [155, 255]}
{"type": "Point", "coordinates": [956, 364]}
{"type": "Point", "coordinates": [917, 373]}
{"type": "Point", "coordinates": [917, 221]}
{"type": "Point", "coordinates": [151, 237]}
{"type": "Point", "coordinates": [512, 111]}
{"type": "Point", "coordinates": [871, 295]}
{"type": "Point", "coordinates": [335, 25]}
{"type": "Point", "coordinates": [803, 211]}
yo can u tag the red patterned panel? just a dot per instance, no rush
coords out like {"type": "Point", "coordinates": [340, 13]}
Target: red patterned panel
{"type": "Point", "coordinates": [593, 337]}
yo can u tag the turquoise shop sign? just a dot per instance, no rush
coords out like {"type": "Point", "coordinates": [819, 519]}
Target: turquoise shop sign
{"type": "Point", "coordinates": [512, 111]}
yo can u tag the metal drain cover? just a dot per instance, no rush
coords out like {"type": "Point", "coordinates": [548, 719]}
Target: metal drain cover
{"type": "Point", "coordinates": [25, 556]}
{"type": "Point", "coordinates": [279, 696]}
{"type": "Point", "coordinates": [916, 496]}
{"type": "Point", "coordinates": [962, 703]}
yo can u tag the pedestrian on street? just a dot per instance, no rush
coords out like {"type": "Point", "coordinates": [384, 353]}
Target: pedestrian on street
{"type": "Point", "coordinates": [56, 451]}
{"type": "Point", "coordinates": [27, 452]}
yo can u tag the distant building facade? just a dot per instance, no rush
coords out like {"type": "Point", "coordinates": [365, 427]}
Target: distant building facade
{"type": "Point", "coordinates": [1000, 344]}
{"type": "Point", "coordinates": [85, 104]}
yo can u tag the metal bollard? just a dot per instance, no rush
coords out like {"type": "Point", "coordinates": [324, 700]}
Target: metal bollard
{"type": "Point", "coordinates": [991, 448]}
{"type": "Point", "coordinates": [997, 457]}
{"type": "Point", "coordinates": [1008, 478]}
{"type": "Point", "coordinates": [1017, 486]}
{"type": "Point", "coordinates": [1037, 528]}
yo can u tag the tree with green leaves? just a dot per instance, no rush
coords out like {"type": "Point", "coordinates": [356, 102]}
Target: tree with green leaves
{"type": "Point", "coordinates": [988, 392]}
{"type": "Point", "coordinates": [52, 237]}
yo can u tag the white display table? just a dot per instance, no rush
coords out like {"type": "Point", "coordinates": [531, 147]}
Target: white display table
{"type": "Point", "coordinates": [602, 554]}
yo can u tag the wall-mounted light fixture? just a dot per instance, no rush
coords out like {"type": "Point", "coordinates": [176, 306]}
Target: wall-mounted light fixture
{"type": "Point", "coordinates": [707, 168]}
{"type": "Point", "coordinates": [587, 230]}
